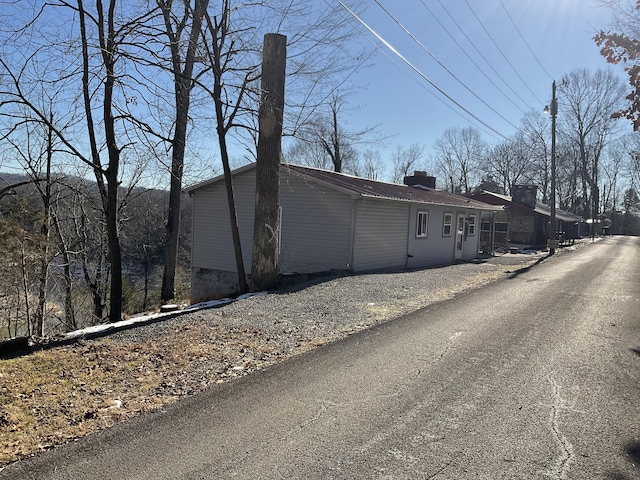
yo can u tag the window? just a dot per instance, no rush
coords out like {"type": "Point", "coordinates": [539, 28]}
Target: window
{"type": "Point", "coordinates": [421, 227]}
{"type": "Point", "coordinates": [498, 227]}
{"type": "Point", "coordinates": [471, 227]}
{"type": "Point", "coordinates": [447, 224]}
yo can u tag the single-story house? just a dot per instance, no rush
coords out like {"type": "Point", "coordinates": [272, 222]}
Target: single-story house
{"type": "Point", "coordinates": [332, 222]}
{"type": "Point", "coordinates": [524, 222]}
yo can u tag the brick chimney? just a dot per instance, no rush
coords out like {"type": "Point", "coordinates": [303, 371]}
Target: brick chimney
{"type": "Point", "coordinates": [420, 179]}
{"type": "Point", "coordinates": [525, 195]}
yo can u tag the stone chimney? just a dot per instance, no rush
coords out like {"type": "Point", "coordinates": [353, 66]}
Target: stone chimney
{"type": "Point", "coordinates": [525, 195]}
{"type": "Point", "coordinates": [420, 179]}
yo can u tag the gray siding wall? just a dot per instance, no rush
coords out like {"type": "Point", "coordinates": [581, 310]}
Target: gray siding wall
{"type": "Point", "coordinates": [212, 247]}
{"type": "Point", "coordinates": [381, 235]}
{"type": "Point", "coordinates": [316, 227]}
{"type": "Point", "coordinates": [435, 248]}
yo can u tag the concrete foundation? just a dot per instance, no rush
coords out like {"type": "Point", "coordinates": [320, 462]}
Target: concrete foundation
{"type": "Point", "coordinates": [208, 284]}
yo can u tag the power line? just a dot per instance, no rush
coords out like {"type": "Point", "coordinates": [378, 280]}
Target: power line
{"type": "Point", "coordinates": [524, 40]}
{"type": "Point", "coordinates": [470, 58]}
{"type": "Point", "coordinates": [502, 53]}
{"type": "Point", "coordinates": [422, 85]}
{"type": "Point", "coordinates": [483, 57]}
{"type": "Point", "coordinates": [443, 65]}
{"type": "Point", "coordinates": [415, 69]}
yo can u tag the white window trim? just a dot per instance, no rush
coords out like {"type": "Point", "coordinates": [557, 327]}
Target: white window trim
{"type": "Point", "coordinates": [445, 224]}
{"type": "Point", "coordinates": [472, 225]}
{"type": "Point", "coordinates": [422, 214]}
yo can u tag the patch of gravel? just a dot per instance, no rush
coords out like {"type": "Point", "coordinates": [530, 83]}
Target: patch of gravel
{"type": "Point", "coordinates": [327, 308]}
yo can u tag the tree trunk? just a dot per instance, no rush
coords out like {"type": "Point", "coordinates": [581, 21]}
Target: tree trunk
{"type": "Point", "coordinates": [266, 229]}
{"type": "Point", "coordinates": [182, 90]}
{"type": "Point", "coordinates": [219, 32]}
{"type": "Point", "coordinates": [45, 232]}
{"type": "Point", "coordinates": [69, 313]}
{"type": "Point", "coordinates": [172, 230]}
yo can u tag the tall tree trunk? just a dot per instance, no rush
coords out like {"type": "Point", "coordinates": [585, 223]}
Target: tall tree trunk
{"type": "Point", "coordinates": [44, 231]}
{"type": "Point", "coordinates": [183, 83]}
{"type": "Point", "coordinates": [69, 313]}
{"type": "Point", "coordinates": [266, 229]}
{"type": "Point", "coordinates": [106, 179]}
{"type": "Point", "coordinates": [219, 30]}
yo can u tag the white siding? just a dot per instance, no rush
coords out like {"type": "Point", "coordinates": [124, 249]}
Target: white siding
{"type": "Point", "coordinates": [381, 235]}
{"type": "Point", "coordinates": [316, 227]}
{"type": "Point", "coordinates": [212, 245]}
{"type": "Point", "coordinates": [434, 249]}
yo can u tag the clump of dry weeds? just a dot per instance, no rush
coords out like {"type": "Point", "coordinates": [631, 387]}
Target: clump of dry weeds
{"type": "Point", "coordinates": [53, 396]}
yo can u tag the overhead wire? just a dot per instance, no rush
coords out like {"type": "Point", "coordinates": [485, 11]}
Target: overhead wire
{"type": "Point", "coordinates": [446, 69]}
{"type": "Point", "coordinates": [502, 53]}
{"type": "Point", "coordinates": [420, 73]}
{"type": "Point", "coordinates": [422, 85]}
{"type": "Point", "coordinates": [515, 93]}
{"type": "Point", "coordinates": [471, 59]}
{"type": "Point", "coordinates": [525, 40]}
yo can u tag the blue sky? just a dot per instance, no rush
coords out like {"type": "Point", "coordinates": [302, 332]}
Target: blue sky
{"type": "Point", "coordinates": [520, 47]}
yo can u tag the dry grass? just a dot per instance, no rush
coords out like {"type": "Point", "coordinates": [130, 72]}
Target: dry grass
{"type": "Point", "coordinates": [52, 396]}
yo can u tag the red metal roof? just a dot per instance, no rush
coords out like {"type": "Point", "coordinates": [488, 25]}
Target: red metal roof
{"type": "Point", "coordinates": [387, 191]}
{"type": "Point", "coordinates": [368, 188]}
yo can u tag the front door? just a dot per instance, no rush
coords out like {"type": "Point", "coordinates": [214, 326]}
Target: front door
{"type": "Point", "coordinates": [459, 236]}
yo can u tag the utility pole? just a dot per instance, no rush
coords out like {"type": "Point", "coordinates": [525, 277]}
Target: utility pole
{"type": "Point", "coordinates": [552, 241]}
{"type": "Point", "coordinates": [266, 226]}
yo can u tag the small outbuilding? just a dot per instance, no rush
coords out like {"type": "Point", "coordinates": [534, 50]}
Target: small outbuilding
{"type": "Point", "coordinates": [332, 222]}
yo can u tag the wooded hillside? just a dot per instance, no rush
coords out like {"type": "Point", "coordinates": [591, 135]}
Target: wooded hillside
{"type": "Point", "coordinates": [54, 266]}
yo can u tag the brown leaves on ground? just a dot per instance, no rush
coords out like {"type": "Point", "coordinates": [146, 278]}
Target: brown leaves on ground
{"type": "Point", "coordinates": [53, 396]}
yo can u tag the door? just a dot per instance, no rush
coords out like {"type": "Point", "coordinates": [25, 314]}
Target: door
{"type": "Point", "coordinates": [459, 236]}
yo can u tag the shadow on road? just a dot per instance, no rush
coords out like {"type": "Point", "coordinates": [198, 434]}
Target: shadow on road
{"type": "Point", "coordinates": [633, 452]}
{"type": "Point", "coordinates": [522, 270]}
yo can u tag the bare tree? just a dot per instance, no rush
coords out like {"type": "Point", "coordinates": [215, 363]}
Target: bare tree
{"type": "Point", "coordinates": [588, 101]}
{"type": "Point", "coordinates": [509, 162]}
{"type": "Point", "coordinates": [325, 142]}
{"type": "Point", "coordinates": [106, 37]}
{"type": "Point", "coordinates": [183, 58]}
{"type": "Point", "coordinates": [536, 134]}
{"type": "Point", "coordinates": [371, 165]}
{"type": "Point", "coordinates": [459, 152]}
{"type": "Point", "coordinates": [406, 160]}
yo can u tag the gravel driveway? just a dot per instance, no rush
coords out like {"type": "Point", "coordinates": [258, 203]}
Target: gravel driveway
{"type": "Point", "coordinates": [327, 308]}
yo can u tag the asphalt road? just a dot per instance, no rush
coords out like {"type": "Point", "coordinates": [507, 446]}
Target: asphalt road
{"type": "Point", "coordinates": [532, 377]}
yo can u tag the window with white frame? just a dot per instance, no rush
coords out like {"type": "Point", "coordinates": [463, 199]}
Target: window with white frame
{"type": "Point", "coordinates": [421, 227]}
{"type": "Point", "coordinates": [447, 224]}
{"type": "Point", "coordinates": [471, 226]}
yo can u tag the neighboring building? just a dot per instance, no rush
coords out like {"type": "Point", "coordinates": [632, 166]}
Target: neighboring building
{"type": "Point", "coordinates": [524, 222]}
{"type": "Point", "coordinates": [332, 222]}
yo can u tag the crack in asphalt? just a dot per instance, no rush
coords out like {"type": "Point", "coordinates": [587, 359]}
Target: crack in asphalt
{"type": "Point", "coordinates": [447, 348]}
{"type": "Point", "coordinates": [566, 449]}
{"type": "Point", "coordinates": [324, 407]}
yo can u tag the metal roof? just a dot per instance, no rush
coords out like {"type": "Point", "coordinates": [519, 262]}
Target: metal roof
{"type": "Point", "coordinates": [540, 208]}
{"type": "Point", "coordinates": [366, 188]}
{"type": "Point", "coordinates": [387, 191]}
